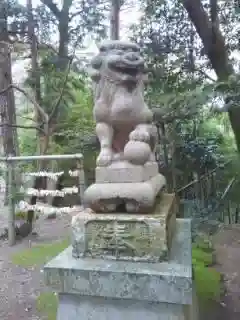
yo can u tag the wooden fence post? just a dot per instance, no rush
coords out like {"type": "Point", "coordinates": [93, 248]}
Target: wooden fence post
{"type": "Point", "coordinates": [11, 204]}
{"type": "Point", "coordinates": [81, 179]}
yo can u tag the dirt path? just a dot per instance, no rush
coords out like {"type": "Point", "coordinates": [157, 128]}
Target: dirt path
{"type": "Point", "coordinates": [227, 245]}
{"type": "Point", "coordinates": [19, 286]}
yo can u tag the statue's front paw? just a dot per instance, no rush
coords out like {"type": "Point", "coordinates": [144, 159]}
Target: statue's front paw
{"type": "Point", "coordinates": [105, 158]}
{"type": "Point", "coordinates": [139, 135]}
{"type": "Point", "coordinates": [132, 206]}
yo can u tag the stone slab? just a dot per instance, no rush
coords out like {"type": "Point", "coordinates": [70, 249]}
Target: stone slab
{"type": "Point", "coordinates": [73, 307]}
{"type": "Point", "coordinates": [125, 172]}
{"type": "Point", "coordinates": [137, 196]}
{"type": "Point", "coordinates": [168, 282]}
{"type": "Point", "coordinates": [130, 237]}
{"type": "Point", "coordinates": [191, 311]}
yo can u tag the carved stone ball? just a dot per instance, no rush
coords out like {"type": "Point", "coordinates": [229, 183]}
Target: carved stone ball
{"type": "Point", "coordinates": [137, 152]}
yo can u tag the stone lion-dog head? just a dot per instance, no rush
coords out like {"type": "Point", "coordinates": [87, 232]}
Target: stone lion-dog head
{"type": "Point", "coordinates": [118, 63]}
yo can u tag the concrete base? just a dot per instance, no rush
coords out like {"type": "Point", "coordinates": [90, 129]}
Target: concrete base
{"type": "Point", "coordinates": [92, 308]}
{"type": "Point", "coordinates": [95, 289]}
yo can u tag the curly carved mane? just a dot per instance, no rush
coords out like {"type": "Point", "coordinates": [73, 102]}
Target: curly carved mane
{"type": "Point", "coordinates": [118, 85]}
{"type": "Point", "coordinates": [105, 78]}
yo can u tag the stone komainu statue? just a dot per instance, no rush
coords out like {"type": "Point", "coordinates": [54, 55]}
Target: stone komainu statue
{"type": "Point", "coordinates": [123, 120]}
{"type": "Point", "coordinates": [126, 171]}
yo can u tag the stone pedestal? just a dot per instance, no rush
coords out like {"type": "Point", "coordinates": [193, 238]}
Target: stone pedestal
{"type": "Point", "coordinates": [125, 172]}
{"type": "Point", "coordinates": [97, 289]}
{"type": "Point", "coordinates": [122, 236]}
{"type": "Point", "coordinates": [137, 186]}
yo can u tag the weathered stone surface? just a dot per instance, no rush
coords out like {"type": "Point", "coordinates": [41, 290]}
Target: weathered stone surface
{"type": "Point", "coordinates": [73, 307]}
{"type": "Point", "coordinates": [125, 172]}
{"type": "Point", "coordinates": [123, 120]}
{"type": "Point", "coordinates": [126, 167]}
{"type": "Point", "coordinates": [122, 236]}
{"type": "Point", "coordinates": [169, 282]}
{"type": "Point", "coordinates": [138, 197]}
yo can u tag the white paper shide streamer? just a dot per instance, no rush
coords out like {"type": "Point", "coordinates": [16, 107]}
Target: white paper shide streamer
{"type": "Point", "coordinates": [24, 206]}
{"type": "Point", "coordinates": [41, 208]}
{"type": "Point", "coordinates": [53, 193]}
{"type": "Point", "coordinates": [53, 175]}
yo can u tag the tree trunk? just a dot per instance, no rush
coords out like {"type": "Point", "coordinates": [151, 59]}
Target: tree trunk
{"type": "Point", "coordinates": [63, 27]}
{"type": "Point", "coordinates": [8, 111]}
{"type": "Point", "coordinates": [63, 39]}
{"type": "Point", "coordinates": [215, 48]}
{"type": "Point", "coordinates": [114, 20]}
{"type": "Point", "coordinates": [7, 100]}
{"type": "Point", "coordinates": [39, 182]}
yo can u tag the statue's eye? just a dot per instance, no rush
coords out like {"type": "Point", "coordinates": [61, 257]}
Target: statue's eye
{"type": "Point", "coordinates": [134, 50]}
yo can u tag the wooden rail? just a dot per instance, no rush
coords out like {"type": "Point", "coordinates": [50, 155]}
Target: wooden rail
{"type": "Point", "coordinates": [11, 163]}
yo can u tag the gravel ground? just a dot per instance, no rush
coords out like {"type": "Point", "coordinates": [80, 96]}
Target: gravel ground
{"type": "Point", "coordinates": [227, 245]}
{"type": "Point", "coordinates": [20, 286]}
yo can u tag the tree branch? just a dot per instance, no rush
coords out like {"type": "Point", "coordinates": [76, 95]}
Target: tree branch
{"type": "Point", "coordinates": [66, 6]}
{"type": "Point", "coordinates": [46, 46]}
{"type": "Point", "coordinates": [215, 50]}
{"type": "Point", "coordinates": [36, 105]}
{"type": "Point", "coordinates": [40, 45]}
{"type": "Point", "coordinates": [26, 118]}
{"type": "Point", "coordinates": [74, 15]}
{"type": "Point", "coordinates": [21, 126]}
{"type": "Point", "coordinates": [205, 74]}
{"type": "Point", "coordinates": [52, 7]}
{"type": "Point", "coordinates": [213, 12]}
{"type": "Point", "coordinates": [55, 108]}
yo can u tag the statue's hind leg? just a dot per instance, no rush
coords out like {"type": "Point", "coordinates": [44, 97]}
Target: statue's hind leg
{"type": "Point", "coordinates": [105, 136]}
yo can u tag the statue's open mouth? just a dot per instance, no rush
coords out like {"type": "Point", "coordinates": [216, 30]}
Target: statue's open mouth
{"type": "Point", "coordinates": [131, 71]}
{"type": "Point", "coordinates": [131, 68]}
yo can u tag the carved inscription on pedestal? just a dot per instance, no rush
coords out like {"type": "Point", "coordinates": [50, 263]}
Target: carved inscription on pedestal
{"type": "Point", "coordinates": [117, 238]}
